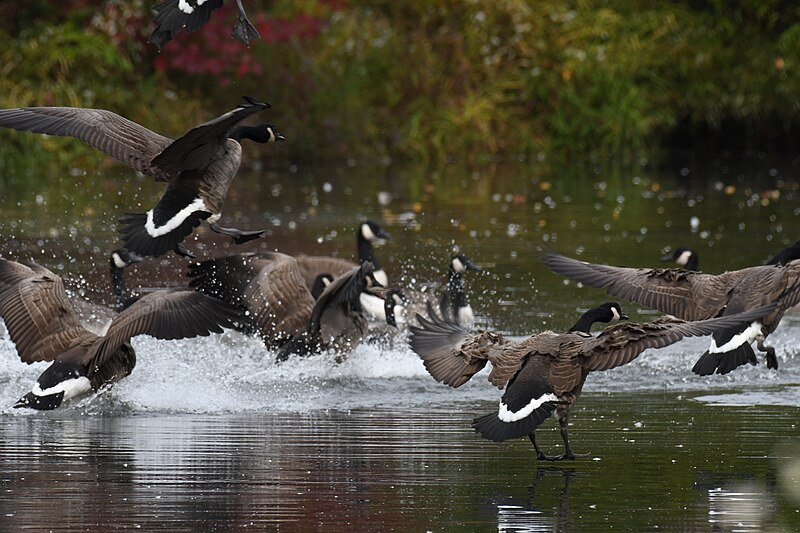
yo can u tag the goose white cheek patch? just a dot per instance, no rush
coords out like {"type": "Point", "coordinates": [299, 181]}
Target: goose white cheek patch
{"type": "Point", "coordinates": [510, 416]}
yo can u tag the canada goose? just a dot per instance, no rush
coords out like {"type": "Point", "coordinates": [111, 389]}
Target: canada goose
{"type": "Point", "coordinates": [270, 288]}
{"type": "Point", "coordinates": [367, 233]}
{"type": "Point", "coordinates": [544, 374]}
{"type": "Point", "coordinates": [118, 261]}
{"type": "Point", "coordinates": [697, 296]}
{"type": "Point", "coordinates": [173, 16]}
{"type": "Point", "coordinates": [44, 327]}
{"type": "Point", "coordinates": [454, 304]}
{"type": "Point", "coordinates": [686, 258]}
{"type": "Point", "coordinates": [198, 167]}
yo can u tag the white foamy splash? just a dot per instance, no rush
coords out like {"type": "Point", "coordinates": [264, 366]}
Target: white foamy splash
{"type": "Point", "coordinates": [235, 373]}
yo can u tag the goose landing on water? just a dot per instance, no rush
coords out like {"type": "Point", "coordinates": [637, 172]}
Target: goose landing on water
{"type": "Point", "coordinates": [198, 167]}
{"type": "Point", "coordinates": [697, 296]}
{"type": "Point", "coordinates": [544, 374]}
{"type": "Point", "coordinates": [44, 327]}
{"type": "Point", "coordinates": [270, 289]}
{"type": "Point", "coordinates": [173, 16]}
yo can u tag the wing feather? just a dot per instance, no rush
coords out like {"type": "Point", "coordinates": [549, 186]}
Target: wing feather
{"type": "Point", "coordinates": [112, 134]}
{"type": "Point", "coordinates": [40, 320]}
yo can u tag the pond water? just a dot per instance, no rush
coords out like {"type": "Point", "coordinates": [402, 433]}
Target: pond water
{"type": "Point", "coordinates": [210, 435]}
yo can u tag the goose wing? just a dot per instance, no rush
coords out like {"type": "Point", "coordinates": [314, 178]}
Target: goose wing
{"type": "Point", "coordinates": [40, 320]}
{"type": "Point", "coordinates": [168, 314]}
{"type": "Point", "coordinates": [342, 290]}
{"type": "Point", "coordinates": [171, 20]}
{"type": "Point", "coordinates": [206, 142]}
{"type": "Point", "coordinates": [685, 294]}
{"type": "Point", "coordinates": [112, 134]}
{"type": "Point", "coordinates": [621, 344]}
{"type": "Point", "coordinates": [281, 302]}
{"type": "Point", "coordinates": [312, 265]}
{"type": "Point", "coordinates": [452, 355]}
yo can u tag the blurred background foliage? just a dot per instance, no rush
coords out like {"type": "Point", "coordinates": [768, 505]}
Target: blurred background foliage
{"type": "Point", "coordinates": [422, 80]}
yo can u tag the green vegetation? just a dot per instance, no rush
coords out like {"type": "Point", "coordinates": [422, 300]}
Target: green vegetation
{"type": "Point", "coordinates": [421, 80]}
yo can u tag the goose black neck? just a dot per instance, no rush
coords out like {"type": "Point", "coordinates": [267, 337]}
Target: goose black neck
{"type": "Point", "coordinates": [253, 133]}
{"type": "Point", "coordinates": [587, 320]}
{"type": "Point", "coordinates": [366, 251]}
{"type": "Point", "coordinates": [456, 290]}
{"type": "Point", "coordinates": [121, 294]}
{"type": "Point", "coordinates": [388, 309]}
{"type": "Point", "coordinates": [693, 263]}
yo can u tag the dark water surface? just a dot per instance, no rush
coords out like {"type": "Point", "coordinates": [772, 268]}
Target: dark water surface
{"type": "Point", "coordinates": [211, 435]}
{"type": "Point", "coordinates": [657, 464]}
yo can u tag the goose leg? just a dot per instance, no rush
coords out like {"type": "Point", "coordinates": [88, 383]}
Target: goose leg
{"type": "Point", "coordinates": [243, 29]}
{"type": "Point", "coordinates": [772, 360]}
{"type": "Point", "coordinates": [569, 454]}
{"type": "Point", "coordinates": [540, 456]}
{"type": "Point", "coordinates": [239, 236]}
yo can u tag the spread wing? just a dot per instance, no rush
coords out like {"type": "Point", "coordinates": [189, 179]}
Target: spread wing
{"type": "Point", "coordinates": [450, 353]}
{"type": "Point", "coordinates": [344, 291]}
{"type": "Point", "coordinates": [171, 20]}
{"type": "Point", "coordinates": [281, 302]}
{"type": "Point", "coordinates": [685, 294]}
{"type": "Point", "coordinates": [120, 138]}
{"type": "Point", "coordinates": [312, 265]}
{"type": "Point", "coordinates": [621, 344]}
{"type": "Point", "coordinates": [204, 143]}
{"type": "Point", "coordinates": [168, 314]}
{"type": "Point", "coordinates": [40, 320]}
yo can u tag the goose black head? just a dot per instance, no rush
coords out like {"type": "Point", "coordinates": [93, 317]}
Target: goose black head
{"type": "Point", "coordinates": [461, 263]}
{"type": "Point", "coordinates": [321, 282]}
{"type": "Point", "coordinates": [685, 258]}
{"type": "Point", "coordinates": [122, 257]}
{"type": "Point", "coordinates": [263, 133]}
{"type": "Point", "coordinates": [372, 231]}
{"type": "Point", "coordinates": [607, 312]}
{"type": "Point", "coordinates": [787, 255]}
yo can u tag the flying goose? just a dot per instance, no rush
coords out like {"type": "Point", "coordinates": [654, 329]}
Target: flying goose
{"type": "Point", "coordinates": [173, 16]}
{"type": "Point", "coordinates": [544, 374]}
{"type": "Point", "coordinates": [367, 233]}
{"type": "Point", "coordinates": [697, 296]}
{"type": "Point", "coordinates": [44, 327]}
{"type": "Point", "coordinates": [197, 167]}
{"type": "Point", "coordinates": [686, 258]}
{"type": "Point", "coordinates": [269, 287]}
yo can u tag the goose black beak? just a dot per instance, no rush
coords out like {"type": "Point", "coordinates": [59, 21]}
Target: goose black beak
{"type": "Point", "coordinates": [623, 317]}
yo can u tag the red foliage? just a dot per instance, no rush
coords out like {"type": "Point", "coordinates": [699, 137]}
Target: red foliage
{"type": "Point", "coordinates": [212, 51]}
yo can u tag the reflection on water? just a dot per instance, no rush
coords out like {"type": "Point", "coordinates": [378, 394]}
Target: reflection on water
{"type": "Point", "coordinates": [388, 469]}
{"type": "Point", "coordinates": [211, 435]}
